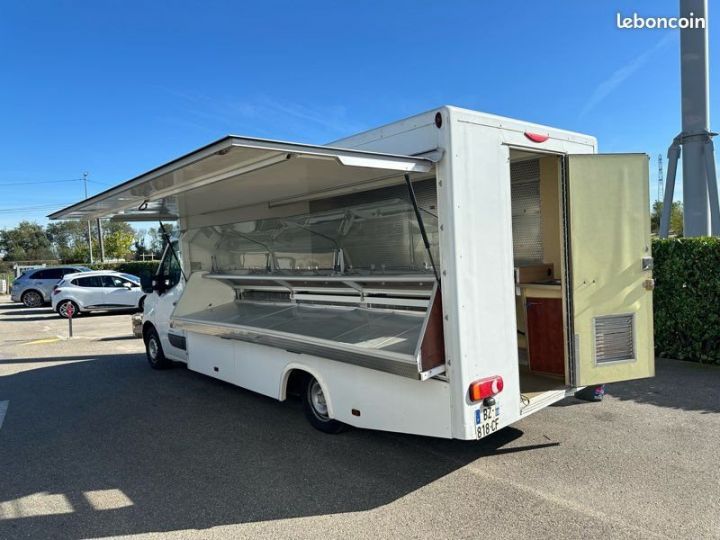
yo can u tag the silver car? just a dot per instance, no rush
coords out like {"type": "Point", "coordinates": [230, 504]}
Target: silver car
{"type": "Point", "coordinates": [34, 287]}
{"type": "Point", "coordinates": [103, 290]}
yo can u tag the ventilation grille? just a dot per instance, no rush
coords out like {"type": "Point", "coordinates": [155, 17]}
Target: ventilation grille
{"type": "Point", "coordinates": [526, 217]}
{"type": "Point", "coordinates": [614, 338]}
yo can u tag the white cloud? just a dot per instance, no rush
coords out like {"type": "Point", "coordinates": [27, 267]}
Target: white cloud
{"type": "Point", "coordinates": [262, 115]}
{"type": "Point", "coordinates": [615, 80]}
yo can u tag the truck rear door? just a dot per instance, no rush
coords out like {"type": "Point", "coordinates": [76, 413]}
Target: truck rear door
{"type": "Point", "coordinates": [608, 264]}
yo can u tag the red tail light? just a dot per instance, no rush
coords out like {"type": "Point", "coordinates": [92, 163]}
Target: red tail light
{"type": "Point", "coordinates": [485, 388]}
{"type": "Point", "coordinates": [537, 137]}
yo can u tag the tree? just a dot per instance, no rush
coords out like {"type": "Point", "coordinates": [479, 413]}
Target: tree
{"type": "Point", "coordinates": [65, 240]}
{"type": "Point", "coordinates": [157, 242]}
{"type": "Point", "coordinates": [110, 227]}
{"type": "Point", "coordinates": [118, 238]}
{"type": "Point", "coordinates": [69, 240]}
{"type": "Point", "coordinates": [676, 218]}
{"type": "Point", "coordinates": [139, 244]}
{"type": "Point", "coordinates": [26, 242]}
{"type": "Point", "coordinates": [118, 244]}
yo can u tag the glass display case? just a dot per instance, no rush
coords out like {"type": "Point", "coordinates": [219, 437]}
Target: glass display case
{"type": "Point", "coordinates": [354, 284]}
{"type": "Point", "coordinates": [369, 239]}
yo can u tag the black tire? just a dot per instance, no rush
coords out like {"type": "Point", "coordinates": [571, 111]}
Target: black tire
{"type": "Point", "coordinates": [62, 308]}
{"type": "Point", "coordinates": [32, 299]}
{"type": "Point", "coordinates": [591, 393]}
{"type": "Point", "coordinates": [153, 350]}
{"type": "Point", "coordinates": [315, 410]}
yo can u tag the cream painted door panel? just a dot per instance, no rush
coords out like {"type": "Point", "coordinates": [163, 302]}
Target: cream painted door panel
{"type": "Point", "coordinates": [610, 294]}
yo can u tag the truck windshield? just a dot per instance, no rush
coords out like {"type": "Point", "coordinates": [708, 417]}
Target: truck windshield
{"type": "Point", "coordinates": [170, 266]}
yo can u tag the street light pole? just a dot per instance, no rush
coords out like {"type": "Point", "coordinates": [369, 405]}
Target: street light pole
{"type": "Point", "coordinates": [100, 239]}
{"type": "Point", "coordinates": [89, 227]}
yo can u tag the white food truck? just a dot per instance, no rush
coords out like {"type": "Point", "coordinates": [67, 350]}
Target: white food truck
{"type": "Point", "coordinates": [444, 275]}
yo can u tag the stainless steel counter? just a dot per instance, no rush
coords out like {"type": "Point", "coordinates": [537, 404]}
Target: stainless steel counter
{"type": "Point", "coordinates": [380, 339]}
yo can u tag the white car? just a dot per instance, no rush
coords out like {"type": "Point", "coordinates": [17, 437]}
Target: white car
{"type": "Point", "coordinates": [103, 290]}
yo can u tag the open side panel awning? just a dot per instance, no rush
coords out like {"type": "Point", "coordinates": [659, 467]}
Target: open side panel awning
{"type": "Point", "coordinates": [237, 171]}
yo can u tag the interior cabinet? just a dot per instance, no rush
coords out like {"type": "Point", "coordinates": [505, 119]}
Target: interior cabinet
{"type": "Point", "coordinates": [545, 335]}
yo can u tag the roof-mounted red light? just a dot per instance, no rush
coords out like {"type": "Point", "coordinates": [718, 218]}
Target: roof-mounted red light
{"type": "Point", "coordinates": [536, 137]}
{"type": "Point", "coordinates": [485, 388]}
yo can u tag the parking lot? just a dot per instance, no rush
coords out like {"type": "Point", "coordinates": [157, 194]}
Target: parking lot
{"type": "Point", "coordinates": [94, 443]}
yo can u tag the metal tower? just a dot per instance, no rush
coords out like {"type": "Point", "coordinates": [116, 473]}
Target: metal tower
{"type": "Point", "coordinates": [661, 177]}
{"type": "Point", "coordinates": [700, 191]}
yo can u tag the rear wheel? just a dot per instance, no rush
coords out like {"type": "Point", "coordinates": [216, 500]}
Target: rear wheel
{"type": "Point", "coordinates": [63, 309]}
{"type": "Point", "coordinates": [316, 409]}
{"type": "Point", "coordinates": [32, 299]}
{"type": "Point", "coordinates": [154, 352]}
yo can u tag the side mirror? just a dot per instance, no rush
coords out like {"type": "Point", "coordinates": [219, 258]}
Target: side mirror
{"type": "Point", "coordinates": [146, 284]}
{"type": "Point", "coordinates": [158, 284]}
{"type": "Point", "coordinates": [161, 284]}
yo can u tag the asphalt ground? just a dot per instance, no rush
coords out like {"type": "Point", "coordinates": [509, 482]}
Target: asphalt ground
{"type": "Point", "coordinates": [93, 443]}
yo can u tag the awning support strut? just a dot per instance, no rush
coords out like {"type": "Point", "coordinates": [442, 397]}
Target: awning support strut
{"type": "Point", "coordinates": [421, 224]}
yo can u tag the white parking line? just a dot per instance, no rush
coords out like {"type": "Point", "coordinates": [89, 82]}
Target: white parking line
{"type": "Point", "coordinates": [3, 410]}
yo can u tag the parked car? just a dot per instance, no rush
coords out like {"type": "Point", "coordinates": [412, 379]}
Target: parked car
{"type": "Point", "coordinates": [34, 287]}
{"type": "Point", "coordinates": [101, 290]}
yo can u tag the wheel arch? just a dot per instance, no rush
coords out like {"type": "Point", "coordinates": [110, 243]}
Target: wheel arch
{"type": "Point", "coordinates": [297, 369]}
{"type": "Point", "coordinates": [32, 289]}
{"type": "Point", "coordinates": [147, 326]}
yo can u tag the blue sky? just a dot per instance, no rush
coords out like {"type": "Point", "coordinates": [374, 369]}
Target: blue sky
{"type": "Point", "coordinates": [116, 88]}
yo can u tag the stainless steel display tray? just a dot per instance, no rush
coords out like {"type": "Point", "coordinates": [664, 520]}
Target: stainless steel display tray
{"type": "Point", "coordinates": [379, 339]}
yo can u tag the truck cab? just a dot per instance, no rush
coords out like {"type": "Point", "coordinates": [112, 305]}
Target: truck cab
{"type": "Point", "coordinates": [162, 343]}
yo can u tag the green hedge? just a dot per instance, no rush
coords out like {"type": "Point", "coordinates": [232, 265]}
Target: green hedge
{"type": "Point", "coordinates": [142, 269]}
{"type": "Point", "coordinates": [687, 299]}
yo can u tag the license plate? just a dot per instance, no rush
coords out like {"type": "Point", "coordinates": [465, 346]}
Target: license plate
{"type": "Point", "coordinates": [487, 420]}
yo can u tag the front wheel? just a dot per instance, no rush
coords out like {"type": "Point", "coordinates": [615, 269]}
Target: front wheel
{"type": "Point", "coordinates": [64, 308]}
{"type": "Point", "coordinates": [316, 409]}
{"type": "Point", "coordinates": [154, 352]}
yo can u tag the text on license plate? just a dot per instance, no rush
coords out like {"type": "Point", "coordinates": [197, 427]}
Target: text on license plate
{"type": "Point", "coordinates": [487, 420]}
